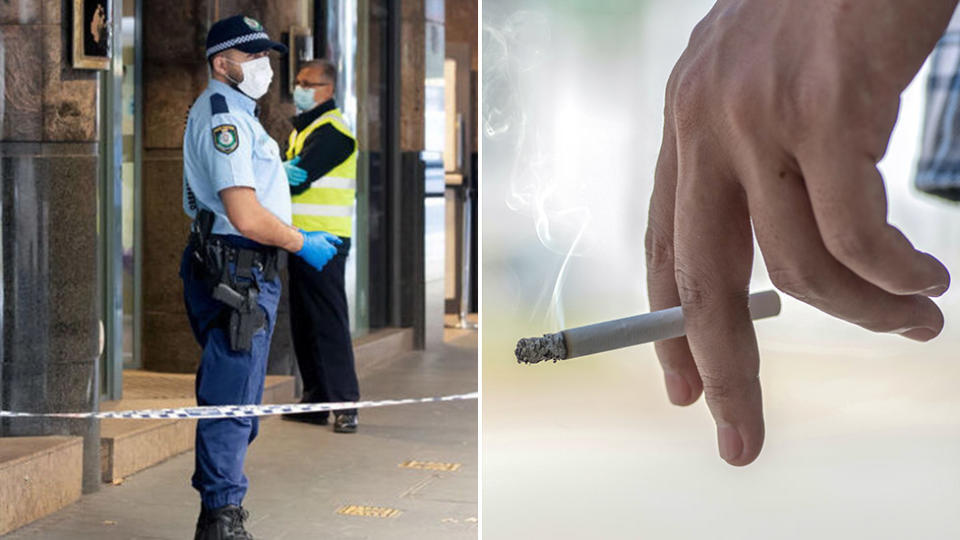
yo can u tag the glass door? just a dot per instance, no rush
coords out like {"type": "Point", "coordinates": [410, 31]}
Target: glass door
{"type": "Point", "coordinates": [130, 243]}
{"type": "Point", "coordinates": [120, 202]}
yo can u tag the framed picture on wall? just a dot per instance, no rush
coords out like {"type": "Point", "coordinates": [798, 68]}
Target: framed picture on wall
{"type": "Point", "coordinates": [301, 50]}
{"type": "Point", "coordinates": [91, 34]}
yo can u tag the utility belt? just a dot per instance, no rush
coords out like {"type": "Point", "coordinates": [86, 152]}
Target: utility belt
{"type": "Point", "coordinates": [213, 256]}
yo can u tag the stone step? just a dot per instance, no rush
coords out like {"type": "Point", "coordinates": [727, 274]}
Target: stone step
{"type": "Point", "coordinates": [129, 446]}
{"type": "Point", "coordinates": [38, 476]}
{"type": "Point", "coordinates": [377, 349]}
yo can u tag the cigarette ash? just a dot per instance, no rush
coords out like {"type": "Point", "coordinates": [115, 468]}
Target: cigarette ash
{"type": "Point", "coordinates": [541, 349]}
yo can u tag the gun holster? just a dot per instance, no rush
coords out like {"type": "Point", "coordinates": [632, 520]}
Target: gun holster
{"type": "Point", "coordinates": [246, 317]}
{"type": "Point", "coordinates": [212, 258]}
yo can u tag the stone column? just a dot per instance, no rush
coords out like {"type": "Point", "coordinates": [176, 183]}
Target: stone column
{"type": "Point", "coordinates": [412, 81]}
{"type": "Point", "coordinates": [49, 157]}
{"type": "Point", "coordinates": [407, 188]}
{"type": "Point", "coordinates": [174, 73]}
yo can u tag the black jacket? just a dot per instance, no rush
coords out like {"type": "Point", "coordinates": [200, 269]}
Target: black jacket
{"type": "Point", "coordinates": [324, 149]}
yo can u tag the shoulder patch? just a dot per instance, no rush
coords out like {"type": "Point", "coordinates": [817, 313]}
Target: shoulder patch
{"type": "Point", "coordinates": [225, 138]}
{"type": "Point", "coordinates": [218, 104]}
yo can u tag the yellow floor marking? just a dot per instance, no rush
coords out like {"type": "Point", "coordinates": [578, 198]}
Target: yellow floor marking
{"type": "Point", "coordinates": [430, 465]}
{"type": "Point", "coordinates": [368, 511]}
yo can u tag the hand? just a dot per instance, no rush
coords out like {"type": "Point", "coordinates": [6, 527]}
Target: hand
{"type": "Point", "coordinates": [776, 115]}
{"type": "Point", "coordinates": [295, 175]}
{"type": "Point", "coordinates": [318, 248]}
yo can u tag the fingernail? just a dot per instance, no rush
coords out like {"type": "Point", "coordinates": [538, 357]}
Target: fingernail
{"type": "Point", "coordinates": [920, 334]}
{"type": "Point", "coordinates": [729, 442]}
{"type": "Point", "coordinates": [936, 290]}
{"type": "Point", "coordinates": [677, 389]}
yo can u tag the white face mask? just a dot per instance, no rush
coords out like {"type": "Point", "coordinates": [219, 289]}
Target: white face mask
{"type": "Point", "coordinates": [256, 76]}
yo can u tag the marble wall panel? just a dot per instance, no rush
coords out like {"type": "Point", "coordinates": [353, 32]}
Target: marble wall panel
{"type": "Point", "coordinates": [461, 26]}
{"type": "Point", "coordinates": [168, 343]}
{"type": "Point", "coordinates": [170, 88]}
{"type": "Point", "coordinates": [251, 8]}
{"type": "Point", "coordinates": [20, 12]}
{"type": "Point", "coordinates": [412, 75]}
{"type": "Point", "coordinates": [22, 83]}
{"type": "Point", "coordinates": [72, 237]}
{"type": "Point", "coordinates": [175, 31]}
{"type": "Point", "coordinates": [70, 96]}
{"type": "Point", "coordinates": [165, 230]}
{"type": "Point", "coordinates": [53, 11]}
{"type": "Point", "coordinates": [50, 259]}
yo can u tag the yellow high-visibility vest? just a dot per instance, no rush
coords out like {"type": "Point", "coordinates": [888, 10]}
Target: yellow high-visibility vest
{"type": "Point", "coordinates": [327, 205]}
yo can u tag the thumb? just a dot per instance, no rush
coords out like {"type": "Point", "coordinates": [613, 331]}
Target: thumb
{"type": "Point", "coordinates": [295, 160]}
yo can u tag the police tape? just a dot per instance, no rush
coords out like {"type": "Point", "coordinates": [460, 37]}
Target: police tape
{"type": "Point", "coordinates": [240, 411]}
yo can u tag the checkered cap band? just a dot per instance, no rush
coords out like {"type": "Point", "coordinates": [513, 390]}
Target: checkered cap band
{"type": "Point", "coordinates": [222, 46]}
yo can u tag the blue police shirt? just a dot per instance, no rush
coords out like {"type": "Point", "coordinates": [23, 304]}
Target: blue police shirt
{"type": "Point", "coordinates": [225, 146]}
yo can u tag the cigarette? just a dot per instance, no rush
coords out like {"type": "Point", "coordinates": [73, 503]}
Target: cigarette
{"type": "Point", "coordinates": [620, 333]}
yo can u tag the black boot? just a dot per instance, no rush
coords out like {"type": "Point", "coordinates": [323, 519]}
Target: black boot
{"type": "Point", "coordinates": [224, 523]}
{"type": "Point", "coordinates": [345, 423]}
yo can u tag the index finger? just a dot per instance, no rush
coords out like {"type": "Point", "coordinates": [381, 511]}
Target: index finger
{"type": "Point", "coordinates": [679, 370]}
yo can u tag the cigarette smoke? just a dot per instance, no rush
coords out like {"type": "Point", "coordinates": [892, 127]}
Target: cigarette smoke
{"type": "Point", "coordinates": [543, 183]}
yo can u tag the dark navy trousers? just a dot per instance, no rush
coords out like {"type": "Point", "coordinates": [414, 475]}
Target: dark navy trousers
{"type": "Point", "coordinates": [225, 377]}
{"type": "Point", "coordinates": [320, 325]}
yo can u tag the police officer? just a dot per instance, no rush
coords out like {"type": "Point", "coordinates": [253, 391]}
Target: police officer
{"type": "Point", "coordinates": [236, 190]}
{"type": "Point", "coordinates": [324, 148]}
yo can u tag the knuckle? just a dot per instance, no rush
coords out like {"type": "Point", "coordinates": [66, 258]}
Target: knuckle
{"type": "Point", "coordinates": [715, 387]}
{"type": "Point", "coordinates": [693, 288]}
{"type": "Point", "coordinates": [724, 387]}
{"type": "Point", "coordinates": [686, 101]}
{"type": "Point", "coordinates": [850, 245]}
{"type": "Point", "coordinates": [801, 103]}
{"type": "Point", "coordinates": [700, 30]}
{"type": "Point", "coordinates": [741, 112]}
{"type": "Point", "coordinates": [671, 87]}
{"type": "Point", "coordinates": [796, 281]}
{"type": "Point", "coordinates": [658, 246]}
{"type": "Point", "coordinates": [701, 289]}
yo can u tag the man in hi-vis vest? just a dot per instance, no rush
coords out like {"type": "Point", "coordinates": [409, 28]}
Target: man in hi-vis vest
{"type": "Point", "coordinates": [322, 171]}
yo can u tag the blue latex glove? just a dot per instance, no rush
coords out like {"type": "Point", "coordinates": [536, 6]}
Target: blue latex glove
{"type": "Point", "coordinates": [318, 248]}
{"type": "Point", "coordinates": [295, 175]}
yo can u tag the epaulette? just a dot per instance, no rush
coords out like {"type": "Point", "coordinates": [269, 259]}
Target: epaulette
{"type": "Point", "coordinates": [218, 104]}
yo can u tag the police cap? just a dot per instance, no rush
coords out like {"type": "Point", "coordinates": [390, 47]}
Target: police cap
{"type": "Point", "coordinates": [240, 32]}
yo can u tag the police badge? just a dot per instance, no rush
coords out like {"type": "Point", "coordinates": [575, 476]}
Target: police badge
{"type": "Point", "coordinates": [225, 138]}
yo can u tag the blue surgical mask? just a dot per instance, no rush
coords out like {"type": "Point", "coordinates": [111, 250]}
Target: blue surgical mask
{"type": "Point", "coordinates": [303, 98]}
